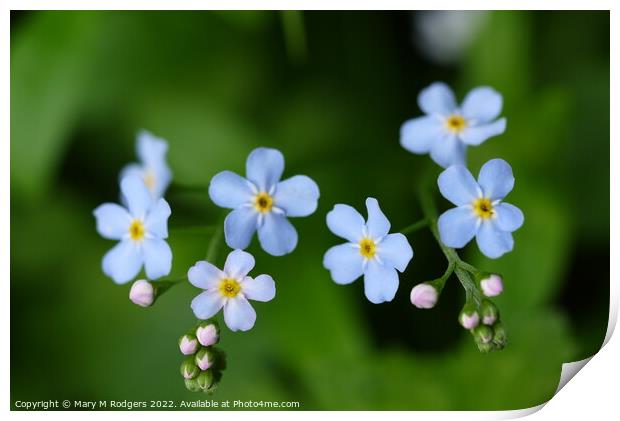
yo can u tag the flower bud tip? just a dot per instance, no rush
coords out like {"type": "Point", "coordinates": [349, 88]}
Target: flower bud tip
{"type": "Point", "coordinates": [208, 334]}
{"type": "Point", "coordinates": [142, 293]}
{"type": "Point", "coordinates": [424, 296]}
{"type": "Point", "coordinates": [492, 285]}
{"type": "Point", "coordinates": [188, 344]}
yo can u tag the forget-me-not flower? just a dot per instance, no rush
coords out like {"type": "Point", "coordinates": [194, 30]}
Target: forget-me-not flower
{"type": "Point", "coordinates": [447, 129]}
{"type": "Point", "coordinates": [262, 202]}
{"type": "Point", "coordinates": [480, 210]}
{"type": "Point", "coordinates": [370, 251]}
{"type": "Point", "coordinates": [141, 230]}
{"type": "Point", "coordinates": [153, 168]}
{"type": "Point", "coordinates": [230, 289]}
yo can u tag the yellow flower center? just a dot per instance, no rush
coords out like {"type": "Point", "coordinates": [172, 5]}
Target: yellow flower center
{"type": "Point", "coordinates": [136, 230]}
{"type": "Point", "coordinates": [483, 208]}
{"type": "Point", "coordinates": [149, 180]}
{"type": "Point", "coordinates": [263, 202]}
{"type": "Point", "coordinates": [368, 248]}
{"type": "Point", "coordinates": [229, 287]}
{"type": "Point", "coordinates": [455, 123]}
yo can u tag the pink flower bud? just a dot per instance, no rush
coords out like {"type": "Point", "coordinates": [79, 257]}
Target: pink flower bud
{"type": "Point", "coordinates": [492, 285]}
{"type": "Point", "coordinates": [423, 296]}
{"type": "Point", "coordinates": [207, 335]}
{"type": "Point", "coordinates": [204, 359]}
{"type": "Point", "coordinates": [188, 345]}
{"type": "Point", "coordinates": [142, 293]}
{"type": "Point", "coordinates": [469, 320]}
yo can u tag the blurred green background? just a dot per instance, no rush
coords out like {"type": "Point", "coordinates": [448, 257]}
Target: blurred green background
{"type": "Point", "coordinates": [330, 90]}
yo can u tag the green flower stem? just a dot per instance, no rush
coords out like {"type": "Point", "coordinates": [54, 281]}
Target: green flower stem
{"type": "Point", "coordinates": [415, 226]}
{"type": "Point", "coordinates": [164, 285]}
{"type": "Point", "coordinates": [294, 34]}
{"type": "Point", "coordinates": [215, 244]}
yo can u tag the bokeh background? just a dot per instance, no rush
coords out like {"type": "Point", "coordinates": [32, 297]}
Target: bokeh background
{"type": "Point", "coordinates": [330, 90]}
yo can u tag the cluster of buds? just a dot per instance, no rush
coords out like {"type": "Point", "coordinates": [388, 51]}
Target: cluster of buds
{"type": "Point", "coordinates": [204, 363]}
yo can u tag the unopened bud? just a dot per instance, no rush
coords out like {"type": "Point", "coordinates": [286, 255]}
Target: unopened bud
{"type": "Point", "coordinates": [483, 334]}
{"type": "Point", "coordinates": [205, 358]}
{"type": "Point", "coordinates": [188, 344]}
{"type": "Point", "coordinates": [424, 296]}
{"type": "Point", "coordinates": [485, 348]}
{"type": "Point", "coordinates": [492, 285]}
{"type": "Point", "coordinates": [205, 379]}
{"type": "Point", "coordinates": [189, 369]}
{"type": "Point", "coordinates": [469, 318]}
{"type": "Point", "coordinates": [499, 336]}
{"type": "Point", "coordinates": [142, 293]}
{"type": "Point", "coordinates": [489, 312]}
{"type": "Point", "coordinates": [208, 334]}
{"type": "Point", "coordinates": [192, 385]}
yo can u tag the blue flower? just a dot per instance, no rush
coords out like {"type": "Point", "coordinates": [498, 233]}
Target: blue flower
{"type": "Point", "coordinates": [262, 202]}
{"type": "Point", "coordinates": [371, 251]}
{"type": "Point", "coordinates": [230, 289]}
{"type": "Point", "coordinates": [152, 168]}
{"type": "Point", "coordinates": [447, 129]}
{"type": "Point", "coordinates": [140, 229]}
{"type": "Point", "coordinates": [480, 210]}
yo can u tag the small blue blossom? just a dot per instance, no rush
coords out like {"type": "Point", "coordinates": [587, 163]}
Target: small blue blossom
{"type": "Point", "coordinates": [447, 129]}
{"type": "Point", "coordinates": [370, 251]}
{"type": "Point", "coordinates": [480, 210]}
{"type": "Point", "coordinates": [153, 168]}
{"type": "Point", "coordinates": [141, 229]}
{"type": "Point", "coordinates": [262, 202]}
{"type": "Point", "coordinates": [230, 289]}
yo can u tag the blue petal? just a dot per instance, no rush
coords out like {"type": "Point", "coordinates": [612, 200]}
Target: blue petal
{"type": "Point", "coordinates": [345, 263]}
{"type": "Point", "coordinates": [261, 288]}
{"type": "Point", "coordinates": [112, 221]}
{"type": "Point", "coordinates": [380, 282]}
{"type": "Point", "coordinates": [437, 98]}
{"type": "Point", "coordinates": [123, 262]}
{"type": "Point", "coordinates": [163, 177]}
{"type": "Point", "coordinates": [136, 195]}
{"type": "Point", "coordinates": [448, 150]}
{"type": "Point", "coordinates": [277, 235]}
{"type": "Point", "coordinates": [207, 304]}
{"type": "Point", "coordinates": [156, 221]}
{"type": "Point", "coordinates": [475, 135]}
{"type": "Point", "coordinates": [238, 264]}
{"type": "Point", "coordinates": [418, 134]}
{"type": "Point", "coordinates": [229, 190]}
{"type": "Point", "coordinates": [264, 167]}
{"type": "Point", "coordinates": [482, 104]}
{"type": "Point", "coordinates": [377, 224]}
{"type": "Point", "coordinates": [458, 185]}
{"type": "Point", "coordinates": [394, 250]}
{"type": "Point", "coordinates": [496, 179]}
{"type": "Point", "coordinates": [509, 217]}
{"type": "Point", "coordinates": [346, 222]}
{"type": "Point", "coordinates": [205, 275]}
{"type": "Point", "coordinates": [297, 196]}
{"type": "Point", "coordinates": [151, 149]}
{"type": "Point", "coordinates": [492, 241]}
{"type": "Point", "coordinates": [239, 227]}
{"type": "Point", "coordinates": [157, 258]}
{"type": "Point", "coordinates": [239, 314]}
{"type": "Point", "coordinates": [457, 226]}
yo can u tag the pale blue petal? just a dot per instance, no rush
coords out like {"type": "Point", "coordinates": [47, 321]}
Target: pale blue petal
{"type": "Point", "coordinates": [482, 104]}
{"type": "Point", "coordinates": [345, 263]}
{"type": "Point", "coordinates": [123, 262]}
{"type": "Point", "coordinates": [205, 275]}
{"type": "Point", "coordinates": [297, 196]}
{"type": "Point", "coordinates": [229, 190]}
{"type": "Point", "coordinates": [132, 170]}
{"type": "Point", "coordinates": [136, 195]}
{"type": "Point", "coordinates": [457, 226]}
{"type": "Point", "coordinates": [475, 135]}
{"type": "Point", "coordinates": [378, 225]}
{"type": "Point", "coordinates": [151, 149]}
{"type": "Point", "coordinates": [509, 217]}
{"type": "Point", "coordinates": [448, 150]}
{"type": "Point", "coordinates": [239, 227]}
{"type": "Point", "coordinates": [163, 177]}
{"type": "Point", "coordinates": [261, 288]}
{"type": "Point", "coordinates": [264, 167]}
{"type": "Point", "coordinates": [496, 179]}
{"type": "Point", "coordinates": [394, 250]}
{"type": "Point", "coordinates": [437, 98]}
{"type": "Point", "coordinates": [346, 222]}
{"type": "Point", "coordinates": [207, 304]}
{"type": "Point", "coordinates": [239, 314]}
{"type": "Point", "coordinates": [418, 134]}
{"type": "Point", "coordinates": [112, 221]}
{"type": "Point", "coordinates": [277, 235]}
{"type": "Point", "coordinates": [156, 222]}
{"type": "Point", "coordinates": [458, 185]}
{"type": "Point", "coordinates": [380, 282]}
{"type": "Point", "coordinates": [157, 258]}
{"type": "Point", "coordinates": [238, 264]}
{"type": "Point", "coordinates": [492, 241]}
